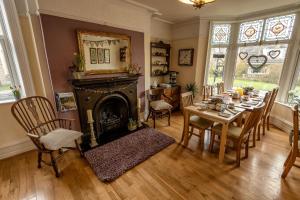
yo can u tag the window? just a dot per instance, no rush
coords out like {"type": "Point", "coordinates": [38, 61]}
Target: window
{"type": "Point", "coordinates": [8, 75]}
{"type": "Point", "coordinates": [250, 31]}
{"type": "Point", "coordinates": [218, 52]}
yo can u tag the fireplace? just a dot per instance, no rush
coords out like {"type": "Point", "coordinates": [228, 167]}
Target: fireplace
{"type": "Point", "coordinates": [113, 101]}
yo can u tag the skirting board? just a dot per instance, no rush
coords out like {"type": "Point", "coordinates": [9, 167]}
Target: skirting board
{"type": "Point", "coordinates": [280, 123]}
{"type": "Point", "coordinates": [16, 149]}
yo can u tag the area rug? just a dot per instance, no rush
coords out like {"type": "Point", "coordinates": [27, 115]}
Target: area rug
{"type": "Point", "coordinates": [113, 159]}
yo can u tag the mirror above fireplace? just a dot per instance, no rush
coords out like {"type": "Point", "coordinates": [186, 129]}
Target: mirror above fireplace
{"type": "Point", "coordinates": [104, 52]}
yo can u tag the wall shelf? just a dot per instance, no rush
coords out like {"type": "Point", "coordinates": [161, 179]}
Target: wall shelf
{"type": "Point", "coordinates": [159, 53]}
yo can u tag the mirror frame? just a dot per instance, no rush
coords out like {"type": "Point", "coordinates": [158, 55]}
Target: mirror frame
{"type": "Point", "coordinates": [120, 69]}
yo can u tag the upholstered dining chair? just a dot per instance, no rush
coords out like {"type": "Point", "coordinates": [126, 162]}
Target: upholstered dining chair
{"type": "Point", "coordinates": [158, 107]}
{"type": "Point", "coordinates": [266, 115]}
{"type": "Point", "coordinates": [295, 150]}
{"type": "Point", "coordinates": [196, 122]}
{"type": "Point", "coordinates": [239, 135]}
{"type": "Point", "coordinates": [49, 134]}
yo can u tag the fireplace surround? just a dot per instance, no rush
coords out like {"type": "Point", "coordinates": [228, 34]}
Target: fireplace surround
{"type": "Point", "coordinates": [113, 100]}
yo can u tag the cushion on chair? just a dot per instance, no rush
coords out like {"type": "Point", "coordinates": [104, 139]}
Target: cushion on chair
{"type": "Point", "coordinates": [233, 131]}
{"type": "Point", "coordinates": [59, 138]}
{"type": "Point", "coordinates": [160, 105]}
{"type": "Point", "coordinates": [200, 122]}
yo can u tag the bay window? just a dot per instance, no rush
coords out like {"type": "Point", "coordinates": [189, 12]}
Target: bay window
{"type": "Point", "coordinates": [258, 49]}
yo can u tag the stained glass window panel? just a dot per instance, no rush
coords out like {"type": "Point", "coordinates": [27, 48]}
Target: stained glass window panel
{"type": "Point", "coordinates": [221, 34]}
{"type": "Point", "coordinates": [279, 28]}
{"type": "Point", "coordinates": [250, 31]}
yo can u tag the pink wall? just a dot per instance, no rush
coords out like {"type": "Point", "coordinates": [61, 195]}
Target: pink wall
{"type": "Point", "coordinates": [61, 42]}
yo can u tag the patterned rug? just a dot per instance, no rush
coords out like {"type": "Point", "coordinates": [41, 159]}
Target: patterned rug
{"type": "Point", "coordinates": [113, 159]}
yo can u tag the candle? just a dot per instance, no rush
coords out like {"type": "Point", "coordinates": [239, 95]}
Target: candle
{"type": "Point", "coordinates": [90, 116]}
{"type": "Point", "coordinates": [139, 102]}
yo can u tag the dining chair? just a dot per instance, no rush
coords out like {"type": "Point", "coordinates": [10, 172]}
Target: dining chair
{"type": "Point", "coordinates": [49, 133]}
{"type": "Point", "coordinates": [158, 107]}
{"type": "Point", "coordinates": [295, 149]}
{"type": "Point", "coordinates": [266, 115]}
{"type": "Point", "coordinates": [239, 135]}
{"type": "Point", "coordinates": [257, 128]}
{"type": "Point", "coordinates": [196, 122]}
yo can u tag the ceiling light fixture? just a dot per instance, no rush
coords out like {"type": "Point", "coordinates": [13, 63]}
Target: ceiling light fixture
{"type": "Point", "coordinates": [197, 3]}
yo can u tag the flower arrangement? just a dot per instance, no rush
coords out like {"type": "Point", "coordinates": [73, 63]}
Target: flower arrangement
{"type": "Point", "coordinates": [78, 62]}
{"type": "Point", "coordinates": [16, 91]}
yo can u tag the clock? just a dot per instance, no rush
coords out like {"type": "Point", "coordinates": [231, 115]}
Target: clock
{"type": "Point", "coordinates": [185, 57]}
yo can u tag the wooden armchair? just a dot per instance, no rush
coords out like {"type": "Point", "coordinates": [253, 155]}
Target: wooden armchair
{"type": "Point", "coordinates": [239, 135]}
{"type": "Point", "coordinates": [49, 134]}
{"type": "Point", "coordinates": [196, 122]}
{"type": "Point", "coordinates": [295, 150]}
{"type": "Point", "coordinates": [157, 106]}
{"type": "Point", "coordinates": [220, 88]}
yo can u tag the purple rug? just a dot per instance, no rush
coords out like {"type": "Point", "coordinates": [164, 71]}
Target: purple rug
{"type": "Point", "coordinates": [113, 159]}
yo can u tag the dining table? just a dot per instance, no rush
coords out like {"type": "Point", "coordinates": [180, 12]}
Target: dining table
{"type": "Point", "coordinates": [213, 115]}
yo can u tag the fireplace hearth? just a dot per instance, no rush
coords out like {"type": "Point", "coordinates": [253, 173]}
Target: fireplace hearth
{"type": "Point", "coordinates": [113, 101]}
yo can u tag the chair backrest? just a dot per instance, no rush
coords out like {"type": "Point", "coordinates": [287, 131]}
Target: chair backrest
{"type": "Point", "coordinates": [35, 114]}
{"type": "Point", "coordinates": [220, 88]}
{"type": "Point", "coordinates": [155, 94]}
{"type": "Point", "coordinates": [186, 99]}
{"type": "Point", "coordinates": [251, 121]}
{"type": "Point", "coordinates": [271, 101]}
{"type": "Point", "coordinates": [295, 128]}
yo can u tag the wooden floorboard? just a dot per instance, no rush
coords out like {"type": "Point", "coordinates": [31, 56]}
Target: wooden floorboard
{"type": "Point", "coordinates": [174, 173]}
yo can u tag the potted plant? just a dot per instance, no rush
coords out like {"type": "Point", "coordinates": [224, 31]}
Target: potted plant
{"type": "Point", "coordinates": [78, 66]}
{"type": "Point", "coordinates": [16, 92]}
{"type": "Point", "coordinates": [192, 87]}
{"type": "Point", "coordinates": [132, 125]}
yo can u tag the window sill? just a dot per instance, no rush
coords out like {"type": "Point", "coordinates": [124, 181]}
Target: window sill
{"type": "Point", "coordinates": [7, 101]}
{"type": "Point", "coordinates": [283, 104]}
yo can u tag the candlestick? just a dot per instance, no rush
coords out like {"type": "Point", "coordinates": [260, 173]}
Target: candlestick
{"type": "Point", "coordinates": [91, 123]}
{"type": "Point", "coordinates": [138, 111]}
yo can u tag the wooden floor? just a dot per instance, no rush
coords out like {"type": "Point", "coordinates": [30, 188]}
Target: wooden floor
{"type": "Point", "coordinates": [174, 173]}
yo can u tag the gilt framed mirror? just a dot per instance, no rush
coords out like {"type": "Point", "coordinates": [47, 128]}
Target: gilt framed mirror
{"type": "Point", "coordinates": [104, 52]}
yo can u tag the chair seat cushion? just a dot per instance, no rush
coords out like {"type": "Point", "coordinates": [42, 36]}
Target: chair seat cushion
{"type": "Point", "coordinates": [160, 105]}
{"type": "Point", "coordinates": [200, 122]}
{"type": "Point", "coordinates": [233, 131]}
{"type": "Point", "coordinates": [59, 138]}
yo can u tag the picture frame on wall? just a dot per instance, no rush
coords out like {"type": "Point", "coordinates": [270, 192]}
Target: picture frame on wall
{"type": "Point", "coordinates": [65, 101]}
{"type": "Point", "coordinates": [93, 55]}
{"type": "Point", "coordinates": [186, 57]}
{"type": "Point", "coordinates": [101, 52]}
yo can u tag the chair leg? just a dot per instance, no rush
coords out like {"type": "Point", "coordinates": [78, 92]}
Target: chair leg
{"type": "Point", "coordinates": [78, 148]}
{"type": "Point", "coordinates": [264, 126]}
{"type": "Point", "coordinates": [238, 155]}
{"type": "Point", "coordinates": [247, 149]}
{"type": "Point", "coordinates": [268, 123]}
{"type": "Point", "coordinates": [288, 166]}
{"type": "Point", "coordinates": [40, 154]}
{"type": "Point", "coordinates": [258, 131]}
{"type": "Point", "coordinates": [288, 158]}
{"type": "Point", "coordinates": [254, 136]}
{"type": "Point", "coordinates": [148, 115]}
{"type": "Point", "coordinates": [169, 118]}
{"type": "Point", "coordinates": [54, 165]}
{"type": "Point", "coordinates": [212, 141]}
{"type": "Point", "coordinates": [153, 117]}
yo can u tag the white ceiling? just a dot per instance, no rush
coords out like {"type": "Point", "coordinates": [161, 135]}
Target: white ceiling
{"type": "Point", "coordinates": [175, 11]}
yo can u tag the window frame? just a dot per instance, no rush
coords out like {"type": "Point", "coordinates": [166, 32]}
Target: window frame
{"type": "Point", "coordinates": [231, 58]}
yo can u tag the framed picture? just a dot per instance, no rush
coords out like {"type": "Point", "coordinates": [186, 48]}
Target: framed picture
{"type": "Point", "coordinates": [93, 55]}
{"type": "Point", "coordinates": [65, 102]}
{"type": "Point", "coordinates": [107, 56]}
{"type": "Point", "coordinates": [101, 52]}
{"type": "Point", "coordinates": [185, 57]}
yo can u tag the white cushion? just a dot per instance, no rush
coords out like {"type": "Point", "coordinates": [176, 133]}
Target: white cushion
{"type": "Point", "coordinates": [160, 105]}
{"type": "Point", "coordinates": [59, 138]}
